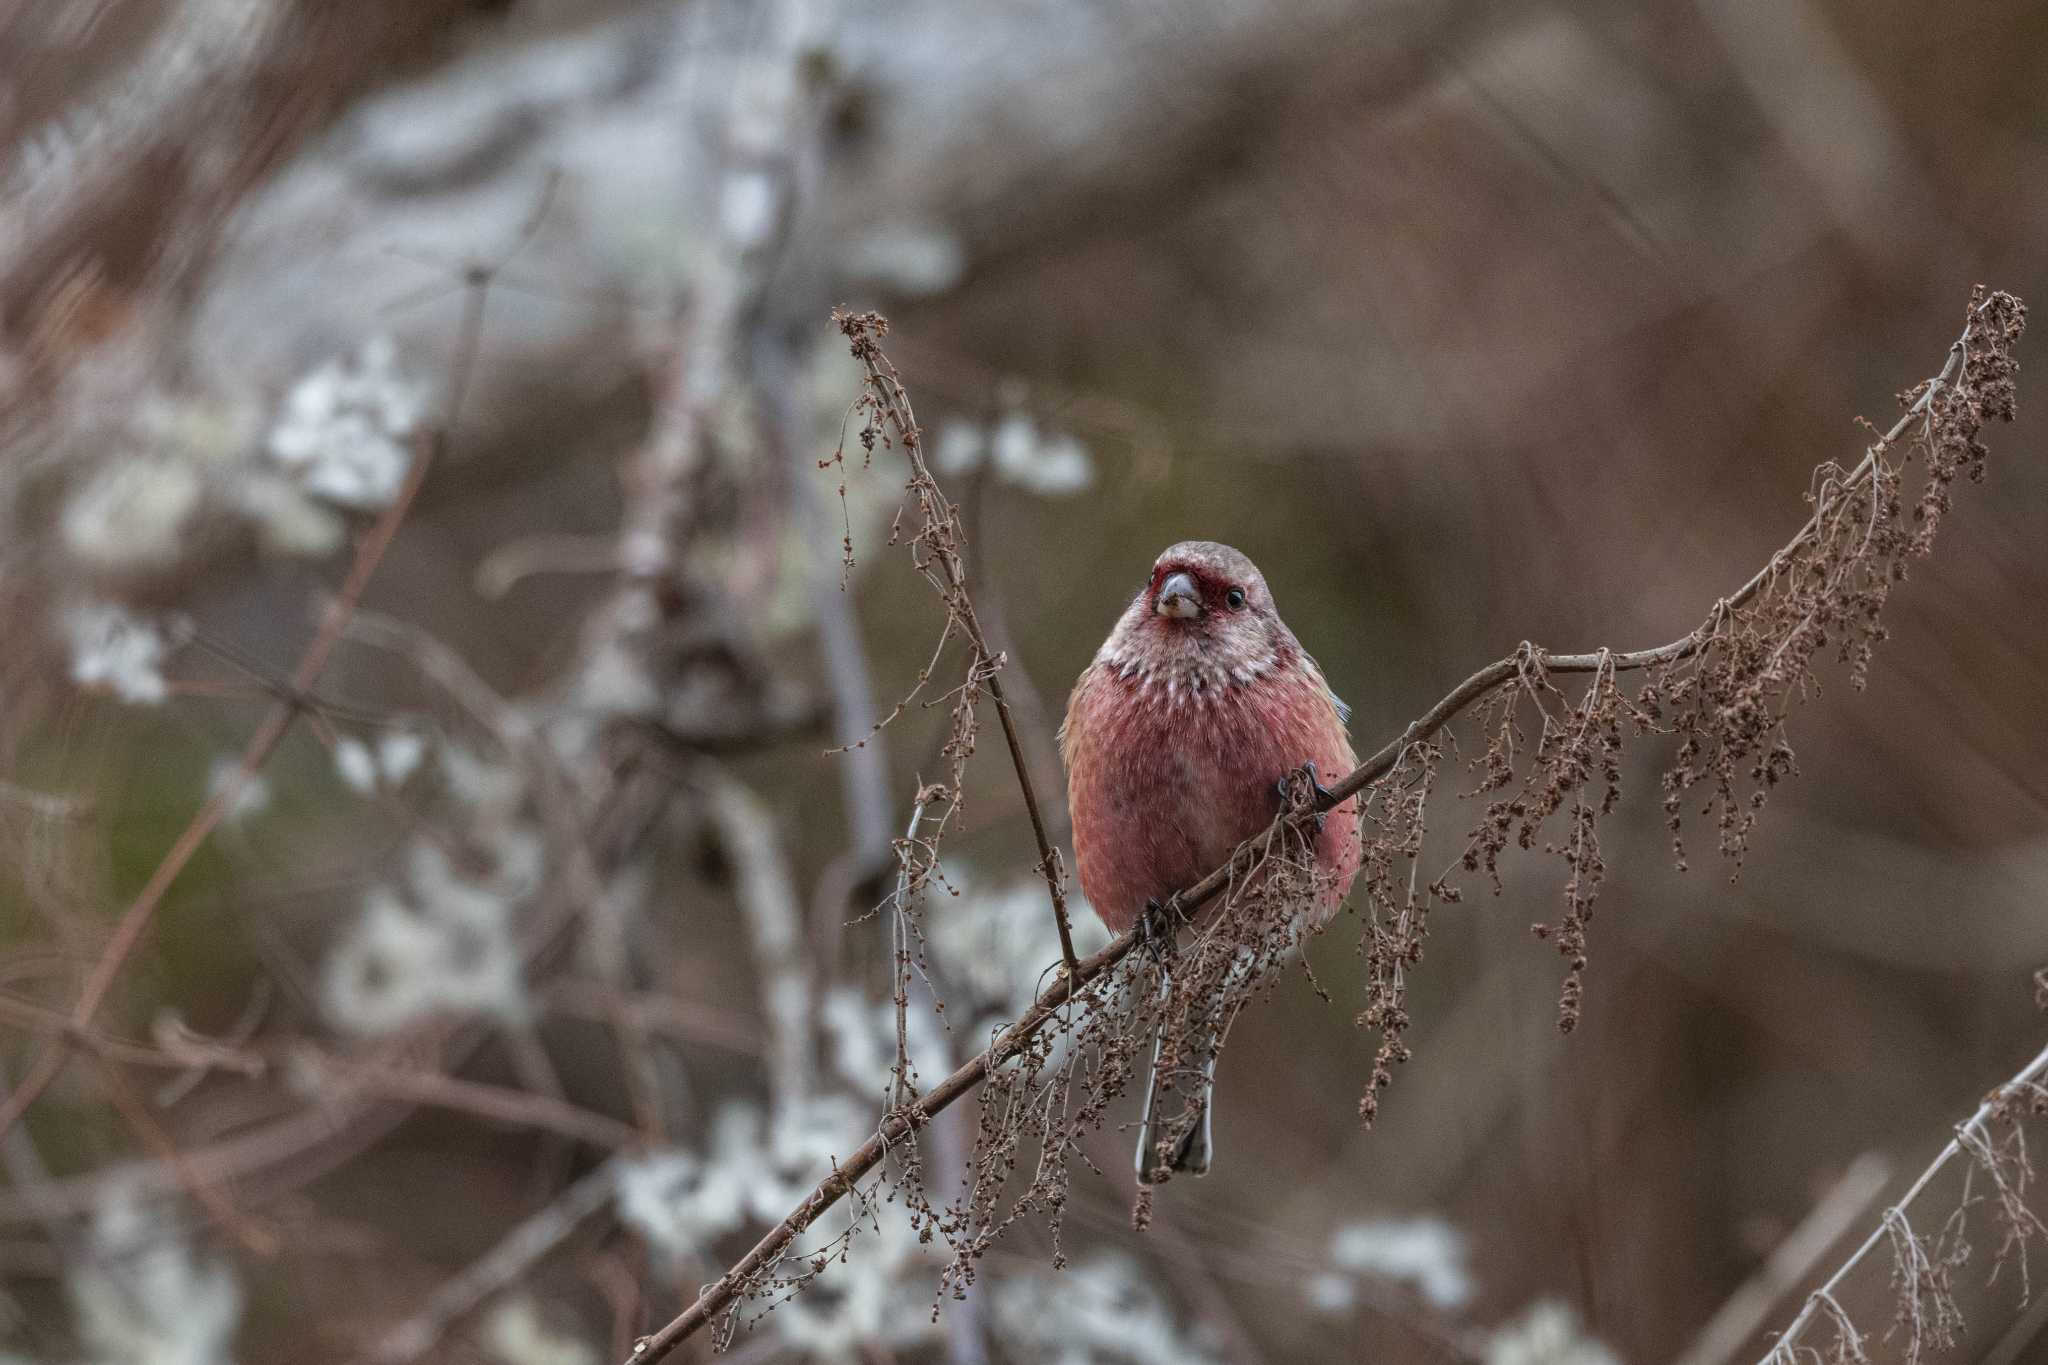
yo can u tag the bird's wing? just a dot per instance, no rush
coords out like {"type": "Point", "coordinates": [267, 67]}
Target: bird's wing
{"type": "Point", "coordinates": [1316, 670]}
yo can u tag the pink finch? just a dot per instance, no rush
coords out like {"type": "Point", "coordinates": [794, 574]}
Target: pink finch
{"type": "Point", "coordinates": [1200, 701]}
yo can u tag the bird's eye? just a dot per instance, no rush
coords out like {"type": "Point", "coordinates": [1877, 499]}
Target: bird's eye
{"type": "Point", "coordinates": [1235, 597]}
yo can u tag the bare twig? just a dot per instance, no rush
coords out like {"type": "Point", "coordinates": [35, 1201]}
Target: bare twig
{"type": "Point", "coordinates": [901, 1123]}
{"type": "Point", "coordinates": [135, 921]}
{"type": "Point", "coordinates": [1969, 1133]}
{"type": "Point", "coordinates": [497, 1269]}
{"type": "Point", "coordinates": [864, 330]}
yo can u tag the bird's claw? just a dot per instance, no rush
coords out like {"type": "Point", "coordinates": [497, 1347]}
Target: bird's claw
{"type": "Point", "coordinates": [1317, 791]}
{"type": "Point", "coordinates": [1156, 925]}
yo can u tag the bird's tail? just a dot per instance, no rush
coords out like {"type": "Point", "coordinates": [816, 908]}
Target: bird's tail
{"type": "Point", "coordinates": [1192, 1151]}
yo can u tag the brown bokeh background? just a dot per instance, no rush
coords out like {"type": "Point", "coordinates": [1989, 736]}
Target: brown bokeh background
{"type": "Point", "coordinates": [1470, 324]}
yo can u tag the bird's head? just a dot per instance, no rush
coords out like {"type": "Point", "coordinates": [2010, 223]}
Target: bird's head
{"type": "Point", "coordinates": [1204, 604]}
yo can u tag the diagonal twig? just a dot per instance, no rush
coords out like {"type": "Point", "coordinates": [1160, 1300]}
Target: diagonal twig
{"type": "Point", "coordinates": [1968, 1133]}
{"type": "Point", "coordinates": [900, 1123]}
{"type": "Point", "coordinates": [862, 329]}
{"type": "Point", "coordinates": [135, 921]}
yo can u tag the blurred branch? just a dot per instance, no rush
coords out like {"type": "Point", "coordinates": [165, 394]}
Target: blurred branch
{"type": "Point", "coordinates": [497, 1269]}
{"type": "Point", "coordinates": [498, 1103]}
{"type": "Point", "coordinates": [864, 770]}
{"type": "Point", "coordinates": [141, 912]}
{"type": "Point", "coordinates": [253, 1236]}
{"type": "Point", "coordinates": [133, 177]}
{"type": "Point", "coordinates": [768, 904]}
{"type": "Point", "coordinates": [1791, 1261]}
{"type": "Point", "coordinates": [1999, 311]}
{"type": "Point", "coordinates": [2023, 1092]}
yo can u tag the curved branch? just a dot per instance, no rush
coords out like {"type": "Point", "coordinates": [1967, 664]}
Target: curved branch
{"type": "Point", "coordinates": [899, 1123]}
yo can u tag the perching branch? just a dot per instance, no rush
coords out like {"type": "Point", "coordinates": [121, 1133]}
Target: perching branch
{"type": "Point", "coordinates": [1993, 323]}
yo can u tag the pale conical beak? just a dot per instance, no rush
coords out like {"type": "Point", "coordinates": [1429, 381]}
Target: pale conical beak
{"type": "Point", "coordinates": [1178, 598]}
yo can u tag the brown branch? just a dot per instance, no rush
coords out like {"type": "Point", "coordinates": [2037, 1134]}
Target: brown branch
{"type": "Point", "coordinates": [303, 1145]}
{"type": "Point", "coordinates": [901, 1123]}
{"type": "Point", "coordinates": [861, 330]}
{"type": "Point", "coordinates": [135, 921]}
{"type": "Point", "coordinates": [127, 181]}
{"type": "Point", "coordinates": [254, 1236]}
{"type": "Point", "coordinates": [1969, 1134]}
{"type": "Point", "coordinates": [502, 1104]}
{"type": "Point", "coordinates": [497, 1269]}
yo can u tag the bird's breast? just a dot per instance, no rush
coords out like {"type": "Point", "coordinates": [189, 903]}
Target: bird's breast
{"type": "Point", "coordinates": [1164, 781]}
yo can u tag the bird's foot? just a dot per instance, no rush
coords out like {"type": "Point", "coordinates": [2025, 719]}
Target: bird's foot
{"type": "Point", "coordinates": [1316, 792]}
{"type": "Point", "coordinates": [1158, 927]}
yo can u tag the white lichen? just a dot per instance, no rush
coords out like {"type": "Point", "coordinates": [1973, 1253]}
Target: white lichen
{"type": "Point", "coordinates": [346, 430]}
{"type": "Point", "coordinates": [1547, 1333]}
{"type": "Point", "coordinates": [368, 768]}
{"type": "Point", "coordinates": [117, 651]}
{"type": "Point", "coordinates": [1427, 1255]}
{"type": "Point", "coordinates": [960, 448]}
{"type": "Point", "coordinates": [1104, 1310]}
{"type": "Point", "coordinates": [1049, 464]}
{"type": "Point", "coordinates": [994, 945]}
{"type": "Point", "coordinates": [748, 205]}
{"type": "Point", "coordinates": [356, 765]}
{"type": "Point", "coordinates": [751, 1170]}
{"type": "Point", "coordinates": [516, 1334]}
{"type": "Point", "coordinates": [252, 796]}
{"type": "Point", "coordinates": [445, 946]}
{"type": "Point", "coordinates": [1331, 1293]}
{"type": "Point", "coordinates": [141, 1297]}
{"type": "Point", "coordinates": [285, 517]}
{"type": "Point", "coordinates": [913, 259]}
{"type": "Point", "coordinates": [131, 515]}
{"type": "Point", "coordinates": [875, 1302]}
{"type": "Point", "coordinates": [399, 753]}
{"type": "Point", "coordinates": [860, 1038]}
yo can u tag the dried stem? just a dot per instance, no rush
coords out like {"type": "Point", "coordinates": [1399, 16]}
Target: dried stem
{"type": "Point", "coordinates": [1956, 393]}
{"type": "Point", "coordinates": [945, 542]}
{"type": "Point", "coordinates": [1971, 1138]}
{"type": "Point", "coordinates": [135, 921]}
{"type": "Point", "coordinates": [499, 1268]}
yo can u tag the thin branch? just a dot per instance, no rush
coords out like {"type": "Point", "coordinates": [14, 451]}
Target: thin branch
{"type": "Point", "coordinates": [1790, 1262]}
{"type": "Point", "coordinates": [135, 921]}
{"type": "Point", "coordinates": [894, 400]}
{"type": "Point", "coordinates": [1968, 1133]}
{"type": "Point", "coordinates": [497, 1269]}
{"type": "Point", "coordinates": [254, 1236]}
{"type": "Point", "coordinates": [900, 1123]}
{"type": "Point", "coordinates": [502, 1104]}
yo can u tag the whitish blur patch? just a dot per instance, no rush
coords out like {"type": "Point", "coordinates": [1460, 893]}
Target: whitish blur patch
{"type": "Point", "coordinates": [1425, 1254]}
{"type": "Point", "coordinates": [346, 428]}
{"type": "Point", "coordinates": [116, 651]}
{"type": "Point", "coordinates": [1548, 1333]}
{"type": "Point", "coordinates": [132, 515]}
{"type": "Point", "coordinates": [141, 1297]}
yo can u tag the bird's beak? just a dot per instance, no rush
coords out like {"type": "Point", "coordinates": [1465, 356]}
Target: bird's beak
{"type": "Point", "coordinates": [1178, 598]}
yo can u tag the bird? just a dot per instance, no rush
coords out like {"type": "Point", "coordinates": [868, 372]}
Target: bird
{"type": "Point", "coordinates": [1178, 740]}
